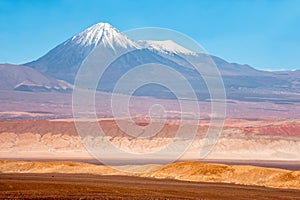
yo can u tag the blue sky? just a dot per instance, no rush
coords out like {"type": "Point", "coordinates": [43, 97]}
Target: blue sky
{"type": "Point", "coordinates": [264, 34]}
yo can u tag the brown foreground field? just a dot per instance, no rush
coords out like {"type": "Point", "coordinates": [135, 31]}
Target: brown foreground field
{"type": "Point", "coordinates": [84, 186]}
{"type": "Point", "coordinates": [181, 180]}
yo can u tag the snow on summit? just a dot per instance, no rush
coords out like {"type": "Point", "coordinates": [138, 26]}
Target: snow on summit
{"type": "Point", "coordinates": [108, 36]}
{"type": "Point", "coordinates": [167, 46]}
{"type": "Point", "coordinates": [103, 34]}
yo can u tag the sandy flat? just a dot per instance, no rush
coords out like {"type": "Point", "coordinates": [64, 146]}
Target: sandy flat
{"type": "Point", "coordinates": [84, 186]}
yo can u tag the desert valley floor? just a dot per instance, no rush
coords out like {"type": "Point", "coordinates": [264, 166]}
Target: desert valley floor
{"type": "Point", "coordinates": [70, 186]}
{"type": "Point", "coordinates": [184, 180]}
{"type": "Point", "coordinates": [254, 159]}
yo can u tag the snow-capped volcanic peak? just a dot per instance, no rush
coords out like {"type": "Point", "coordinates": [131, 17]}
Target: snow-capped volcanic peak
{"type": "Point", "coordinates": [103, 34]}
{"type": "Point", "coordinates": [167, 46]}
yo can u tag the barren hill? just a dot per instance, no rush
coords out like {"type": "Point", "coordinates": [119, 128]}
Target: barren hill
{"type": "Point", "coordinates": [187, 171]}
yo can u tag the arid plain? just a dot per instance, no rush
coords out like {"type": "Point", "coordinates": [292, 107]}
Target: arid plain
{"type": "Point", "coordinates": [256, 159]}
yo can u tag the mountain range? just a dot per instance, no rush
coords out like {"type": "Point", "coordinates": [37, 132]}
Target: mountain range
{"type": "Point", "coordinates": [22, 78]}
{"type": "Point", "coordinates": [58, 68]}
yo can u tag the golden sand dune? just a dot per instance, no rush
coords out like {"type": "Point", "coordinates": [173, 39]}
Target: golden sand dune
{"type": "Point", "coordinates": [237, 174]}
{"type": "Point", "coordinates": [187, 171]}
{"type": "Point", "coordinates": [56, 167]}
